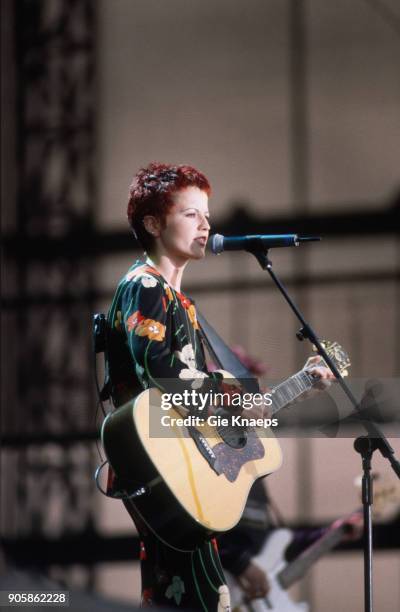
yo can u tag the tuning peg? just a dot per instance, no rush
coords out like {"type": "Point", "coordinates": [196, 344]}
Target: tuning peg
{"type": "Point", "coordinates": [324, 344]}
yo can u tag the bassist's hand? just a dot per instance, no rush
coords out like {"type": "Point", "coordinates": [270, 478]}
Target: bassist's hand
{"type": "Point", "coordinates": [253, 582]}
{"type": "Point", "coordinates": [353, 525]}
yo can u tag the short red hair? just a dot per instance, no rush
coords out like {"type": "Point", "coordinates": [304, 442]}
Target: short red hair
{"type": "Point", "coordinates": [151, 194]}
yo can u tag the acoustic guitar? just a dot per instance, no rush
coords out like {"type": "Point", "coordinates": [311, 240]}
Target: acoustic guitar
{"type": "Point", "coordinates": [190, 482]}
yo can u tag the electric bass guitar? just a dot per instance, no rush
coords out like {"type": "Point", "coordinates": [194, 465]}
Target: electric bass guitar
{"type": "Point", "coordinates": [282, 574]}
{"type": "Point", "coordinates": [187, 482]}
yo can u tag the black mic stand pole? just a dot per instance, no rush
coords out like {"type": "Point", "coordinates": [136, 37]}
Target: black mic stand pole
{"type": "Point", "coordinates": [365, 445]}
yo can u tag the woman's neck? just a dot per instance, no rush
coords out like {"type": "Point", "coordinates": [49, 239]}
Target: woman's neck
{"type": "Point", "coordinates": [172, 271]}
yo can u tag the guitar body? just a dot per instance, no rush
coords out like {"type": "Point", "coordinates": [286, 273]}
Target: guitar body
{"type": "Point", "coordinates": [195, 479]}
{"type": "Point", "coordinates": [187, 500]}
{"type": "Point", "coordinates": [271, 560]}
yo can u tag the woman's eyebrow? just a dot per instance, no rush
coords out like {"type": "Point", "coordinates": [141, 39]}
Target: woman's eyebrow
{"type": "Point", "coordinates": [206, 212]}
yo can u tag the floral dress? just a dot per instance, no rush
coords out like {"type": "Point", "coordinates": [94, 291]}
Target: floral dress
{"type": "Point", "coordinates": [154, 336]}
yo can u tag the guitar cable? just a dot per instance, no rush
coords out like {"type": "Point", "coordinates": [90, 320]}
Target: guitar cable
{"type": "Point", "coordinates": [99, 337]}
{"type": "Point", "coordinates": [99, 403]}
{"type": "Point", "coordinates": [100, 345]}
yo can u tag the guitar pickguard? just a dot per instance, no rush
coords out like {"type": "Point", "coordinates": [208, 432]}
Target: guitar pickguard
{"type": "Point", "coordinates": [229, 461]}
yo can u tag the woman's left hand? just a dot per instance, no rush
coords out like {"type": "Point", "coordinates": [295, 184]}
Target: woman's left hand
{"type": "Point", "coordinates": [323, 376]}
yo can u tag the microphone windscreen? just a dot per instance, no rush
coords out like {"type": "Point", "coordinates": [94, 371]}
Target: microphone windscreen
{"type": "Point", "coordinates": [216, 243]}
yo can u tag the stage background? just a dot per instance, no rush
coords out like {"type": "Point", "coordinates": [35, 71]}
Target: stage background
{"type": "Point", "coordinates": [292, 111]}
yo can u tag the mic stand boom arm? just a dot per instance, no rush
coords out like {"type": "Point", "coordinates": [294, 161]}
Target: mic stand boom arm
{"type": "Point", "coordinates": [365, 445]}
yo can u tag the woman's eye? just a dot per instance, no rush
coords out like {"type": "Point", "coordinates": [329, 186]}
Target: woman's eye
{"type": "Point", "coordinates": [191, 214]}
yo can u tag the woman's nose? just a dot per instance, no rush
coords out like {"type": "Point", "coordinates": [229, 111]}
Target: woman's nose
{"type": "Point", "coordinates": [204, 222]}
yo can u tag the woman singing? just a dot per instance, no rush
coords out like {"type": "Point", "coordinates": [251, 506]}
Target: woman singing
{"type": "Point", "coordinates": [155, 336]}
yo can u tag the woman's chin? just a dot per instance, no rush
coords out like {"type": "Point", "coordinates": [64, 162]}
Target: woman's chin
{"type": "Point", "coordinates": [198, 253]}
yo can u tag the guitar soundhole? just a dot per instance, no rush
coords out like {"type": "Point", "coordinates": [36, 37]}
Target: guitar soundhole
{"type": "Point", "coordinates": [233, 436]}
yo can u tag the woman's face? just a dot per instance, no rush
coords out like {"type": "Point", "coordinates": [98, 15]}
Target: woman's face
{"type": "Point", "coordinates": [186, 230]}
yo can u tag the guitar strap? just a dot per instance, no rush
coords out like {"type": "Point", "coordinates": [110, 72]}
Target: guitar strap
{"type": "Point", "coordinates": [225, 357]}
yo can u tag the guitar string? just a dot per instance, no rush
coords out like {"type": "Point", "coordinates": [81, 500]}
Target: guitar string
{"type": "Point", "coordinates": [282, 394]}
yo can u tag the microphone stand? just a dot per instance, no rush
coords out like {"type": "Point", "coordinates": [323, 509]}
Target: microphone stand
{"type": "Point", "coordinates": [365, 445]}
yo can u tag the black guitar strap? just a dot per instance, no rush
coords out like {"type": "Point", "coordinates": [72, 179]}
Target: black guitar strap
{"type": "Point", "coordinates": [225, 357]}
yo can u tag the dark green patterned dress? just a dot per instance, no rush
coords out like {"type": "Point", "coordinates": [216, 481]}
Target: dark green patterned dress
{"type": "Point", "coordinates": [155, 336]}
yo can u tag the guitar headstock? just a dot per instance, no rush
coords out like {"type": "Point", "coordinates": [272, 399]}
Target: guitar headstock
{"type": "Point", "coordinates": [386, 504]}
{"type": "Point", "coordinates": [338, 355]}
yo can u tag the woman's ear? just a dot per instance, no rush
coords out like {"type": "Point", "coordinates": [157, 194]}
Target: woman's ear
{"type": "Point", "coordinates": [152, 225]}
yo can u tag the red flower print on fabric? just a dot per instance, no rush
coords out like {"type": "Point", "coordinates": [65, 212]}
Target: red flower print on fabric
{"type": "Point", "coordinates": [186, 303]}
{"type": "Point", "coordinates": [134, 320]}
{"type": "Point", "coordinates": [147, 598]}
{"type": "Point", "coordinates": [141, 270]}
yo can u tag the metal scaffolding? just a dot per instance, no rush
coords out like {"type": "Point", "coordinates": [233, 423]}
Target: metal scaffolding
{"type": "Point", "coordinates": [49, 370]}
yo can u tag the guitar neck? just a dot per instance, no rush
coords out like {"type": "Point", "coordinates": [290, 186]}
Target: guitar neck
{"type": "Point", "coordinates": [298, 568]}
{"type": "Point", "coordinates": [286, 392]}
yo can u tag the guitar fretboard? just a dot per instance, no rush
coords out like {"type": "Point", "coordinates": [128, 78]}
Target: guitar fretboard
{"type": "Point", "coordinates": [291, 389]}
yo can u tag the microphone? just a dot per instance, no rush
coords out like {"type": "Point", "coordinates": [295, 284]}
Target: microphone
{"type": "Point", "coordinates": [256, 242]}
